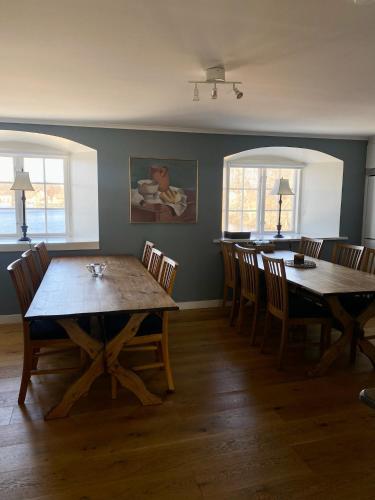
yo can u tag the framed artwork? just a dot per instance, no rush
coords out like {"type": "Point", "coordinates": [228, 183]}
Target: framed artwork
{"type": "Point", "coordinates": [163, 190]}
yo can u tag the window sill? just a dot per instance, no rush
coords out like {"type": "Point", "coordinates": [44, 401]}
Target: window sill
{"type": "Point", "coordinates": [13, 245]}
{"type": "Point", "coordinates": [288, 237]}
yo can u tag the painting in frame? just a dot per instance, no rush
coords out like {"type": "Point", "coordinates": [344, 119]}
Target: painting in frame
{"type": "Point", "coordinates": [163, 190]}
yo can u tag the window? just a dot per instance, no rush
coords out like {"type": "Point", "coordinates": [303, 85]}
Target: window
{"type": "Point", "coordinates": [46, 210]}
{"type": "Point", "coordinates": [248, 204]}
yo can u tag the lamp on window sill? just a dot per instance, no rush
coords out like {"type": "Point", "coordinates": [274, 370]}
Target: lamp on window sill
{"type": "Point", "coordinates": [281, 188]}
{"type": "Point", "coordinates": [22, 183]}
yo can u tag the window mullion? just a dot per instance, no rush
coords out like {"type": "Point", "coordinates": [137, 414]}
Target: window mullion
{"type": "Point", "coordinates": [45, 195]}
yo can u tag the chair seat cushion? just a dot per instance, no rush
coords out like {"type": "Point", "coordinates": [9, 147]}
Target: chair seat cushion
{"type": "Point", "coordinates": [354, 304]}
{"type": "Point", "coordinates": [151, 324]}
{"type": "Point", "coordinates": [304, 307]}
{"type": "Point", "coordinates": [48, 329]}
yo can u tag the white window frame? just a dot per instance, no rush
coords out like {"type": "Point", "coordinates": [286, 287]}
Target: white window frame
{"type": "Point", "coordinates": [260, 210]}
{"type": "Point", "coordinates": [18, 161]}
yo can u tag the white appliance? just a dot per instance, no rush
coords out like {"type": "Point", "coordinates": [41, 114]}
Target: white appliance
{"type": "Point", "coordinates": [369, 223]}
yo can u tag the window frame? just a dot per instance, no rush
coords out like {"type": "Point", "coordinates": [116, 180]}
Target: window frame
{"type": "Point", "coordinates": [18, 163]}
{"type": "Point", "coordinates": [261, 198]}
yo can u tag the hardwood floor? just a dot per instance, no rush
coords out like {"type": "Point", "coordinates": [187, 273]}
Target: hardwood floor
{"type": "Point", "coordinates": [236, 428]}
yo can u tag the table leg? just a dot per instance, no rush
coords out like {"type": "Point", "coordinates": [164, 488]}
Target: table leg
{"type": "Point", "coordinates": [127, 378]}
{"type": "Point", "coordinates": [81, 386]}
{"type": "Point", "coordinates": [338, 347]}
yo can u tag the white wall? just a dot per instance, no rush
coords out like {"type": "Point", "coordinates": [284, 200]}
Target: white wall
{"type": "Point", "coordinates": [321, 189]}
{"type": "Point", "coordinates": [84, 196]}
{"type": "Point", "coordinates": [370, 160]}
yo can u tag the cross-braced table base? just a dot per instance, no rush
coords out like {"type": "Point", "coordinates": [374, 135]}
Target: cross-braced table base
{"type": "Point", "coordinates": [104, 359]}
{"type": "Point", "coordinates": [352, 335]}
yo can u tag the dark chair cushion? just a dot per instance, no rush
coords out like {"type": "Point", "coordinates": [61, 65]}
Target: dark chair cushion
{"type": "Point", "coordinates": [150, 325]}
{"type": "Point", "coordinates": [304, 307]}
{"type": "Point", "coordinates": [48, 329]}
{"type": "Point", "coordinates": [355, 304]}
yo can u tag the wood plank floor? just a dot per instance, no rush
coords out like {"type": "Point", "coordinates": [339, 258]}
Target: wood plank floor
{"type": "Point", "coordinates": [236, 428]}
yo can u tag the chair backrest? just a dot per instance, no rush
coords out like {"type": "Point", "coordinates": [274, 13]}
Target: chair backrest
{"type": "Point", "coordinates": [155, 262]}
{"type": "Point", "coordinates": [310, 247]}
{"type": "Point", "coordinates": [249, 272]}
{"type": "Point", "coordinates": [44, 258]}
{"type": "Point", "coordinates": [19, 278]}
{"type": "Point", "coordinates": [368, 261]}
{"type": "Point", "coordinates": [147, 252]}
{"type": "Point", "coordinates": [277, 287]}
{"type": "Point", "coordinates": [229, 259]}
{"type": "Point", "coordinates": [28, 258]}
{"type": "Point", "coordinates": [347, 255]}
{"type": "Point", "coordinates": [167, 275]}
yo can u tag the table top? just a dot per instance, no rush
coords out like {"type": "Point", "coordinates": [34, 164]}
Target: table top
{"type": "Point", "coordinates": [326, 278]}
{"type": "Point", "coordinates": [68, 289]}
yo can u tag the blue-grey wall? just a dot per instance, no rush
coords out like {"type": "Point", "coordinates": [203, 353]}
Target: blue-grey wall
{"type": "Point", "coordinates": [200, 274]}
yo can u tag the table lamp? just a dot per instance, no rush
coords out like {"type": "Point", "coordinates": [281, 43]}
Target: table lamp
{"type": "Point", "coordinates": [22, 183]}
{"type": "Point", "coordinates": [280, 188]}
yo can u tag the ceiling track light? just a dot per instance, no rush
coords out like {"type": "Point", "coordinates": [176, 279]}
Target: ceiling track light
{"type": "Point", "coordinates": [216, 76]}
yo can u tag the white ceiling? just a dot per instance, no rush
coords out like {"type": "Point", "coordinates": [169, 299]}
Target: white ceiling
{"type": "Point", "coordinates": [307, 66]}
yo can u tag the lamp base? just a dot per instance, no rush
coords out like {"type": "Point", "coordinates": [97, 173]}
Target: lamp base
{"type": "Point", "coordinates": [279, 236]}
{"type": "Point", "coordinates": [24, 238]}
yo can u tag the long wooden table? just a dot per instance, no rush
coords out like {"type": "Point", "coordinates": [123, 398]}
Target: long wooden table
{"type": "Point", "coordinates": [330, 281]}
{"type": "Point", "coordinates": [68, 291]}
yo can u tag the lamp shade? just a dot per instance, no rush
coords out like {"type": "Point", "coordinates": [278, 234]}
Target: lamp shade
{"type": "Point", "coordinates": [22, 182]}
{"type": "Point", "coordinates": [281, 186]}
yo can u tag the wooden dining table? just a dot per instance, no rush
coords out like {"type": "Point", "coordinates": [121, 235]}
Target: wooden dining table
{"type": "Point", "coordinates": [331, 282]}
{"type": "Point", "coordinates": [68, 292]}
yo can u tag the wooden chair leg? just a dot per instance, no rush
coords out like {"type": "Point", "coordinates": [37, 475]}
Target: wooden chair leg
{"type": "Point", "coordinates": [113, 387]}
{"type": "Point", "coordinates": [25, 379]}
{"type": "Point", "coordinates": [325, 334]}
{"type": "Point", "coordinates": [167, 365]}
{"type": "Point", "coordinates": [225, 295]}
{"type": "Point", "coordinates": [267, 326]}
{"type": "Point", "coordinates": [241, 313]}
{"type": "Point", "coordinates": [234, 306]}
{"type": "Point", "coordinates": [35, 358]}
{"type": "Point", "coordinates": [254, 323]}
{"type": "Point", "coordinates": [283, 344]}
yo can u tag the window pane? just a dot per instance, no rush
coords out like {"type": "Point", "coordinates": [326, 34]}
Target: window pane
{"type": "Point", "coordinates": [55, 196]}
{"type": "Point", "coordinates": [234, 221]}
{"type": "Point", "coordinates": [272, 202]}
{"type": "Point", "coordinates": [235, 179]}
{"type": "Point", "coordinates": [7, 221]}
{"type": "Point", "coordinates": [35, 168]}
{"type": "Point", "coordinates": [35, 220]}
{"type": "Point", "coordinates": [35, 199]}
{"type": "Point", "coordinates": [6, 196]}
{"type": "Point", "coordinates": [250, 199]}
{"type": "Point", "coordinates": [249, 221]}
{"type": "Point", "coordinates": [54, 170]}
{"type": "Point", "coordinates": [56, 220]}
{"type": "Point", "coordinates": [6, 169]}
{"type": "Point", "coordinates": [235, 199]}
{"type": "Point", "coordinates": [251, 178]}
{"type": "Point", "coordinates": [271, 220]}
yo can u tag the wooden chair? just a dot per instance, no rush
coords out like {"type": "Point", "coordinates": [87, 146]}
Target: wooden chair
{"type": "Point", "coordinates": [230, 276]}
{"type": "Point", "coordinates": [368, 261]}
{"type": "Point", "coordinates": [310, 247]}
{"type": "Point", "coordinates": [347, 255]}
{"type": "Point", "coordinates": [290, 309]}
{"type": "Point", "coordinates": [28, 258]}
{"type": "Point", "coordinates": [249, 289]}
{"type": "Point", "coordinates": [153, 332]}
{"type": "Point", "coordinates": [147, 253]}
{"type": "Point", "coordinates": [44, 258]}
{"type": "Point", "coordinates": [154, 264]}
{"type": "Point", "coordinates": [37, 334]}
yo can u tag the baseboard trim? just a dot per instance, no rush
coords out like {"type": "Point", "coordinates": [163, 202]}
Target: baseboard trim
{"type": "Point", "coordinates": [200, 304]}
{"type": "Point", "coordinates": [7, 319]}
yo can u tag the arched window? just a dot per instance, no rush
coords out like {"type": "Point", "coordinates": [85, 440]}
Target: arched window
{"type": "Point", "coordinates": [63, 173]}
{"type": "Point", "coordinates": [315, 179]}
